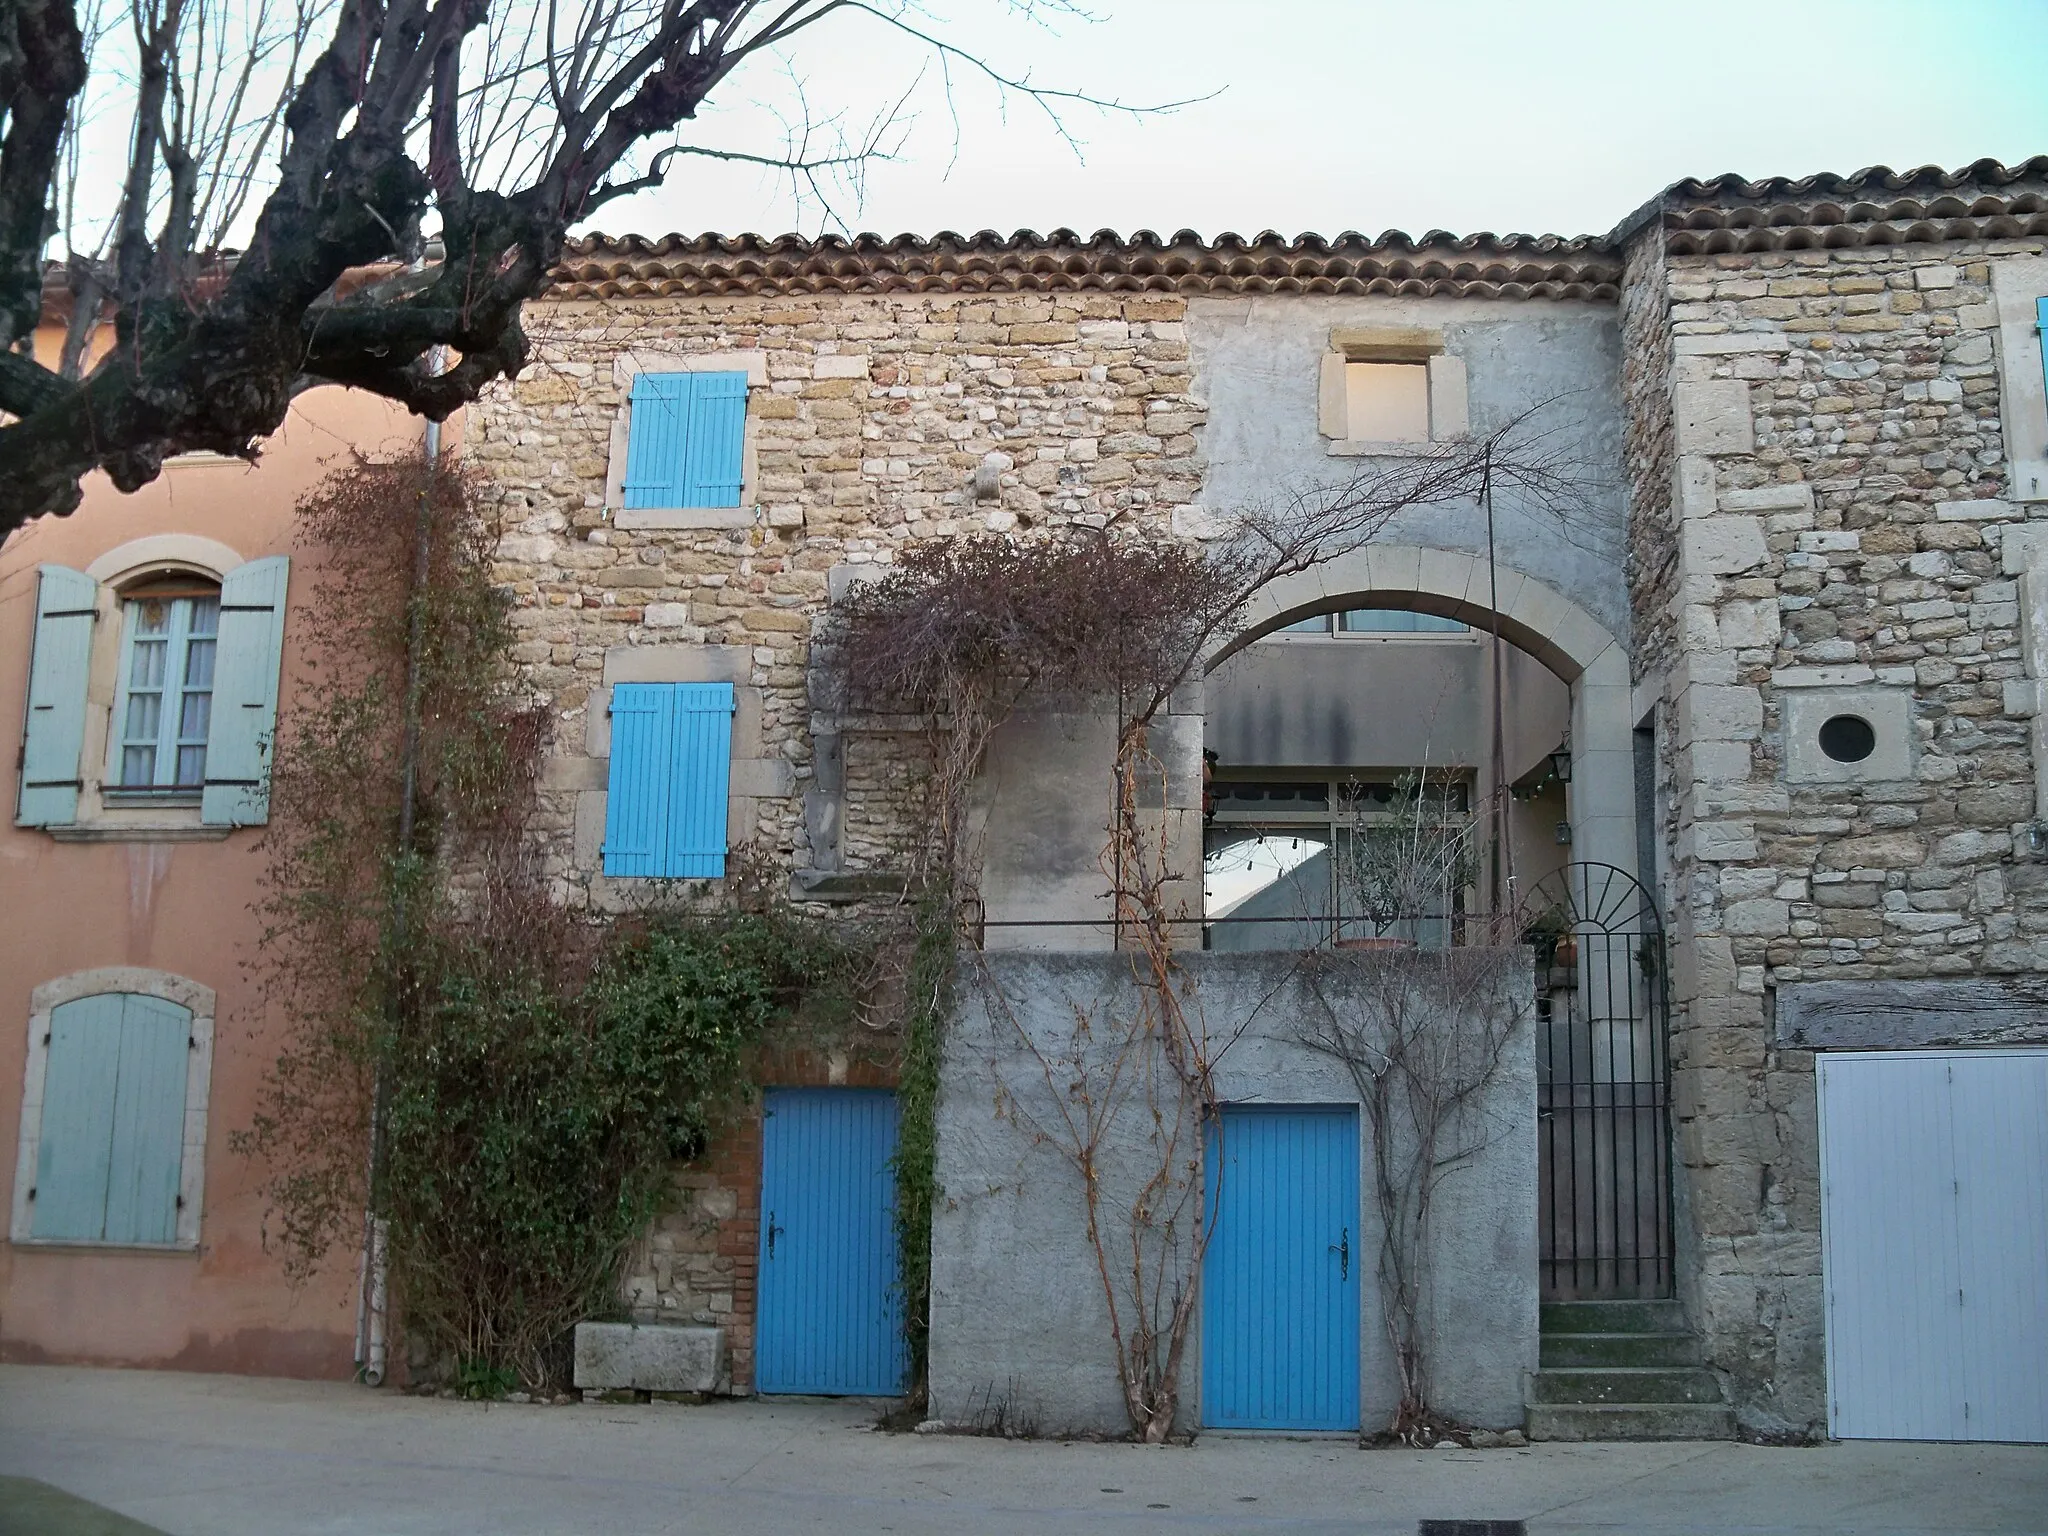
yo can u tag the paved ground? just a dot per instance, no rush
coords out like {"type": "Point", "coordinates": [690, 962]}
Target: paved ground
{"type": "Point", "coordinates": [229, 1456]}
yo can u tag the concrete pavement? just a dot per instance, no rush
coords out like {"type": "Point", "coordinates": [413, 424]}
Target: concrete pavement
{"type": "Point", "coordinates": [235, 1456]}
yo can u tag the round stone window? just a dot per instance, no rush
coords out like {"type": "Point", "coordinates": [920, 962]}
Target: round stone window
{"type": "Point", "coordinates": [1848, 738]}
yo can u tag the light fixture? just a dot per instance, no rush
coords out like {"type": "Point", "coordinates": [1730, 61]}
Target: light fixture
{"type": "Point", "coordinates": [1561, 764]}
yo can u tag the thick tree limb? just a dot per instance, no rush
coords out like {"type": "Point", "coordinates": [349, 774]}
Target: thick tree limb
{"type": "Point", "coordinates": [381, 139]}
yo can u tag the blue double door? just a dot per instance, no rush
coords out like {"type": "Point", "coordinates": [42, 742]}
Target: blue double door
{"type": "Point", "coordinates": [1280, 1280]}
{"type": "Point", "coordinates": [829, 1304]}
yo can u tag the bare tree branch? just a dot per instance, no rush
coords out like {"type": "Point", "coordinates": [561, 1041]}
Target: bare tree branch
{"type": "Point", "coordinates": [345, 135]}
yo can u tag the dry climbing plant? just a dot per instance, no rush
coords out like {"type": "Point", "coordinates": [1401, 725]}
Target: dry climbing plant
{"type": "Point", "coordinates": [960, 635]}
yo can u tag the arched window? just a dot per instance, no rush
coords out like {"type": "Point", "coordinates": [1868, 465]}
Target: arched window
{"type": "Point", "coordinates": [163, 705]}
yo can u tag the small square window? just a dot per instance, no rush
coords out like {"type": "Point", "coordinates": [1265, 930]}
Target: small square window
{"type": "Point", "coordinates": [1386, 402]}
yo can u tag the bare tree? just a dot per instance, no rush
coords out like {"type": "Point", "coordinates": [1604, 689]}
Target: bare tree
{"type": "Point", "coordinates": [402, 174]}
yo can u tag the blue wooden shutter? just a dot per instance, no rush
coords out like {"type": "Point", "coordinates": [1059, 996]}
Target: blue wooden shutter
{"type": "Point", "coordinates": [2041, 325]}
{"type": "Point", "coordinates": [714, 460]}
{"type": "Point", "coordinates": [245, 667]}
{"type": "Point", "coordinates": [636, 804]}
{"type": "Point", "coordinates": [654, 439]}
{"type": "Point", "coordinates": [700, 774]}
{"type": "Point", "coordinates": [685, 440]}
{"type": "Point", "coordinates": [671, 764]}
{"type": "Point", "coordinates": [149, 1122]}
{"type": "Point", "coordinates": [53, 732]}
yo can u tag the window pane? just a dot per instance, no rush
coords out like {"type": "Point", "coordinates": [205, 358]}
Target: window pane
{"type": "Point", "coordinates": [205, 615]}
{"type": "Point", "coordinates": [1265, 889]}
{"type": "Point", "coordinates": [191, 766]}
{"type": "Point", "coordinates": [152, 616]}
{"type": "Point", "coordinates": [1398, 621]}
{"type": "Point", "coordinates": [199, 663]}
{"type": "Point", "coordinates": [145, 712]}
{"type": "Point", "coordinates": [1387, 402]}
{"type": "Point", "coordinates": [195, 717]}
{"type": "Point", "coordinates": [146, 669]}
{"type": "Point", "coordinates": [1319, 625]}
{"type": "Point", "coordinates": [138, 765]}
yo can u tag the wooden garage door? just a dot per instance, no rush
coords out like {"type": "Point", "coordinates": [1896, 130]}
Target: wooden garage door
{"type": "Point", "coordinates": [1934, 1231]}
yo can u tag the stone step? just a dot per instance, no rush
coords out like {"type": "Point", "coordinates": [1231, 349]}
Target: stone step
{"type": "Point", "coordinates": [1684, 1385]}
{"type": "Point", "coordinates": [1566, 1350]}
{"type": "Point", "coordinates": [1631, 1421]}
{"type": "Point", "coordinates": [1612, 1317]}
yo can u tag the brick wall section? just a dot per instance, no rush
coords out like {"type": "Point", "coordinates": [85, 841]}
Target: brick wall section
{"type": "Point", "coordinates": [700, 1262]}
{"type": "Point", "coordinates": [878, 411]}
{"type": "Point", "coordinates": [1839, 486]}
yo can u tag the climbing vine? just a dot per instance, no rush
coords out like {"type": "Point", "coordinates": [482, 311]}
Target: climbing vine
{"type": "Point", "coordinates": [496, 1084]}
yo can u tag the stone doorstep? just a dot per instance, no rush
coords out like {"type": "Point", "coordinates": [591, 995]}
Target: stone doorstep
{"type": "Point", "coordinates": [656, 1357]}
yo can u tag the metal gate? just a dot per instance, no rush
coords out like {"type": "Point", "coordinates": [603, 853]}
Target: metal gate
{"type": "Point", "coordinates": [830, 1313]}
{"type": "Point", "coordinates": [1280, 1291]}
{"type": "Point", "coordinates": [1603, 1085]}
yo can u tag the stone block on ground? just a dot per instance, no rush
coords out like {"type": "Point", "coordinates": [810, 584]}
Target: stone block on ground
{"type": "Point", "coordinates": [653, 1358]}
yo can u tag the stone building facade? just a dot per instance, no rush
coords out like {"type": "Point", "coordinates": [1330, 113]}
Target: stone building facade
{"type": "Point", "coordinates": [1835, 404]}
{"type": "Point", "coordinates": [1820, 407]}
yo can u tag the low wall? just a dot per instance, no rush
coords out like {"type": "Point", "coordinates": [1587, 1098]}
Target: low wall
{"type": "Point", "coordinates": [1019, 1324]}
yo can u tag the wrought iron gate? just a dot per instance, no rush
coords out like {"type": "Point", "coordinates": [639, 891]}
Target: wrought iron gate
{"type": "Point", "coordinates": [1603, 1085]}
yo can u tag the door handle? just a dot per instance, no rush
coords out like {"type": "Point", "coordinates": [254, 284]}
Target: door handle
{"type": "Point", "coordinates": [1343, 1252]}
{"type": "Point", "coordinates": [772, 1230]}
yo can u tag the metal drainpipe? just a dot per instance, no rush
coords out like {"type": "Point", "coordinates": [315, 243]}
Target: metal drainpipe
{"type": "Point", "coordinates": [373, 1303]}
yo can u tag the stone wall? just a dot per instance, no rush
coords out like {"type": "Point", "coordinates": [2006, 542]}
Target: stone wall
{"type": "Point", "coordinates": [873, 417]}
{"type": "Point", "coordinates": [1842, 549]}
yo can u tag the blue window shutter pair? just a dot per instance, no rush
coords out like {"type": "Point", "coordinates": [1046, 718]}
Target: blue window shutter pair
{"type": "Point", "coordinates": [111, 1152]}
{"type": "Point", "coordinates": [685, 442]}
{"type": "Point", "coordinates": [236, 792]}
{"type": "Point", "coordinates": [671, 764]}
{"type": "Point", "coordinates": [53, 735]}
{"type": "Point", "coordinates": [246, 660]}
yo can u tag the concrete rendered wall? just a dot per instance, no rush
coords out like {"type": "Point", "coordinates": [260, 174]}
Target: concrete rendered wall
{"type": "Point", "coordinates": [1018, 1319]}
{"type": "Point", "coordinates": [1257, 363]}
{"type": "Point", "coordinates": [145, 899]}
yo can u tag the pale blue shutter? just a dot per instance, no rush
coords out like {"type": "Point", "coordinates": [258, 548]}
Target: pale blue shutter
{"type": "Point", "coordinates": [714, 456]}
{"type": "Point", "coordinates": [149, 1122]}
{"type": "Point", "coordinates": [74, 1155]}
{"type": "Point", "coordinates": [665, 810]}
{"type": "Point", "coordinates": [246, 660]}
{"type": "Point", "coordinates": [700, 773]}
{"type": "Point", "coordinates": [53, 732]}
{"type": "Point", "coordinates": [655, 436]}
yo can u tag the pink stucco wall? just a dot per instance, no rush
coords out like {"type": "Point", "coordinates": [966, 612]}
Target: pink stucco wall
{"type": "Point", "coordinates": [180, 907]}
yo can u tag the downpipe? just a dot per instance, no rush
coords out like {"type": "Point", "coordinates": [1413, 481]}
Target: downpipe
{"type": "Point", "coordinates": [374, 1272]}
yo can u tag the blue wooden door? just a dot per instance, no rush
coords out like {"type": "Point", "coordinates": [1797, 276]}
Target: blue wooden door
{"type": "Point", "coordinates": [1280, 1290]}
{"type": "Point", "coordinates": [830, 1312]}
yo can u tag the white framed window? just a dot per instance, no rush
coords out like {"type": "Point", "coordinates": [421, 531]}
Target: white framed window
{"type": "Point", "coordinates": [163, 703]}
{"type": "Point", "coordinates": [152, 693]}
{"type": "Point", "coordinates": [112, 1150]}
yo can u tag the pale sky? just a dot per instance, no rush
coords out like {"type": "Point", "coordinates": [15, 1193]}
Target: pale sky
{"type": "Point", "coordinates": [1540, 116]}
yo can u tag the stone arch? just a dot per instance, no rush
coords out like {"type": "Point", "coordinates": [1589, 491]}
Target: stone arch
{"type": "Point", "coordinates": [1537, 618]}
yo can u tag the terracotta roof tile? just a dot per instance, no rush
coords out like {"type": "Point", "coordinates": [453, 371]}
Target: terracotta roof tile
{"type": "Point", "coordinates": [1485, 265]}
